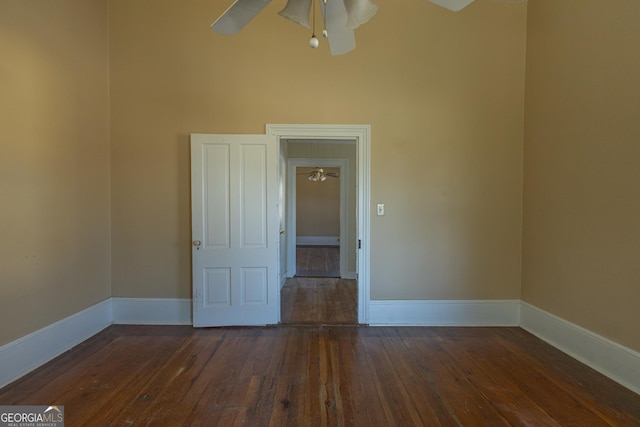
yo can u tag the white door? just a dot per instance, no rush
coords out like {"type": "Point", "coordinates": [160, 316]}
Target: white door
{"type": "Point", "coordinates": [234, 201]}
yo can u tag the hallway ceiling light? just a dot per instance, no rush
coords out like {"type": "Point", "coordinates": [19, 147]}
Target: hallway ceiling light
{"type": "Point", "coordinates": [340, 18]}
{"type": "Point", "coordinates": [318, 174]}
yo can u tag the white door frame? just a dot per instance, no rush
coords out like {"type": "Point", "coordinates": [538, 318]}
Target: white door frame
{"type": "Point", "coordinates": [345, 232]}
{"type": "Point", "coordinates": [362, 135]}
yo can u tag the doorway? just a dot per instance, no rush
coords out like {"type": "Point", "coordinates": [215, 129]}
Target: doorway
{"type": "Point", "coordinates": [321, 286]}
{"type": "Point", "coordinates": [318, 223]}
{"type": "Point", "coordinates": [359, 137]}
{"type": "Point", "coordinates": [300, 233]}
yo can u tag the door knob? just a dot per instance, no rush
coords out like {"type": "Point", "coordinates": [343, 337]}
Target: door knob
{"type": "Point", "coordinates": [197, 243]}
{"type": "Point", "coordinates": [281, 231]}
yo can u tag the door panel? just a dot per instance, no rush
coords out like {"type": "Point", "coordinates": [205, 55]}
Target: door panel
{"type": "Point", "coordinates": [253, 187]}
{"type": "Point", "coordinates": [234, 229]}
{"type": "Point", "coordinates": [216, 193]}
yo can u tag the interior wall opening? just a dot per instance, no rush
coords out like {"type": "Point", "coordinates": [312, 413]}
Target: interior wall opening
{"type": "Point", "coordinates": [320, 285]}
{"type": "Point", "coordinates": [318, 224]}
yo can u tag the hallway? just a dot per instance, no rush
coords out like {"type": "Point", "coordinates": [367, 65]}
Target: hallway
{"type": "Point", "coordinates": [317, 261]}
{"type": "Point", "coordinates": [317, 294]}
{"type": "Point", "coordinates": [315, 300]}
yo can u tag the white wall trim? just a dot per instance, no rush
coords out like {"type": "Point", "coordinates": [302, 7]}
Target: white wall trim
{"type": "Point", "coordinates": [616, 361]}
{"type": "Point", "coordinates": [444, 313]}
{"type": "Point", "coordinates": [318, 240]}
{"type": "Point", "coordinates": [152, 311]}
{"type": "Point", "coordinates": [19, 357]}
{"type": "Point", "coordinates": [27, 353]}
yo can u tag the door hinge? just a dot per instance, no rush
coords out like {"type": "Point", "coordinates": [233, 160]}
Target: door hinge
{"type": "Point", "coordinates": [359, 244]}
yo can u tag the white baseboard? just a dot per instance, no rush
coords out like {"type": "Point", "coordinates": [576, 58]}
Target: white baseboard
{"type": "Point", "coordinates": [351, 275]}
{"type": "Point", "coordinates": [444, 313]}
{"type": "Point", "coordinates": [617, 362]}
{"type": "Point", "coordinates": [152, 311]}
{"type": "Point", "coordinates": [318, 240]}
{"type": "Point", "coordinates": [25, 354]}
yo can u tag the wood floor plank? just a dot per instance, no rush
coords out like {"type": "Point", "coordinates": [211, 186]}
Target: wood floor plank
{"type": "Point", "coordinates": [145, 398]}
{"type": "Point", "coordinates": [591, 389]}
{"type": "Point", "coordinates": [353, 384]}
{"type": "Point", "coordinates": [483, 363]}
{"type": "Point", "coordinates": [317, 295]}
{"type": "Point", "coordinates": [394, 397]}
{"type": "Point", "coordinates": [200, 375]}
{"type": "Point", "coordinates": [323, 376]}
{"type": "Point", "coordinates": [459, 397]}
{"type": "Point", "coordinates": [317, 261]}
{"type": "Point", "coordinates": [319, 301]}
{"type": "Point", "coordinates": [426, 400]}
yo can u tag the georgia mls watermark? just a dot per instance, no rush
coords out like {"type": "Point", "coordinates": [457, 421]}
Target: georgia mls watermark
{"type": "Point", "coordinates": [31, 416]}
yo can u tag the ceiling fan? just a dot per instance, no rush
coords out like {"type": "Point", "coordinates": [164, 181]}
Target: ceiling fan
{"type": "Point", "coordinates": [340, 18]}
{"type": "Point", "coordinates": [318, 174]}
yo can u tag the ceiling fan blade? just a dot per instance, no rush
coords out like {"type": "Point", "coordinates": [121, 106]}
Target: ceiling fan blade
{"type": "Point", "coordinates": [454, 5]}
{"type": "Point", "coordinates": [238, 15]}
{"type": "Point", "coordinates": [341, 39]}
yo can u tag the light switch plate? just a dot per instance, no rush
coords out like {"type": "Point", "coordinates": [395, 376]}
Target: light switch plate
{"type": "Point", "coordinates": [380, 209]}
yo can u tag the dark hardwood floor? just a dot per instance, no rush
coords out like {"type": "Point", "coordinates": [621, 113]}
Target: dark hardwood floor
{"type": "Point", "coordinates": [317, 261]}
{"type": "Point", "coordinates": [323, 376]}
{"type": "Point", "coordinates": [318, 301]}
{"type": "Point", "coordinates": [317, 295]}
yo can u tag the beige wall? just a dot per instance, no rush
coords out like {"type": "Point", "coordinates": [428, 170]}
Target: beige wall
{"type": "Point", "coordinates": [581, 246]}
{"type": "Point", "coordinates": [317, 205]}
{"type": "Point", "coordinates": [54, 162]}
{"type": "Point", "coordinates": [444, 95]}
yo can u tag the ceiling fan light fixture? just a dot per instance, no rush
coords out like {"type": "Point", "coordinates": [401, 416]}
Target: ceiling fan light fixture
{"type": "Point", "coordinates": [340, 18]}
{"type": "Point", "coordinates": [452, 5]}
{"type": "Point", "coordinates": [317, 174]}
{"type": "Point", "coordinates": [297, 11]}
{"type": "Point", "coordinates": [359, 12]}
